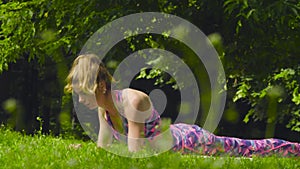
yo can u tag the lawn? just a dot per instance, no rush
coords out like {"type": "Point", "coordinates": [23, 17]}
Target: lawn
{"type": "Point", "coordinates": [21, 151]}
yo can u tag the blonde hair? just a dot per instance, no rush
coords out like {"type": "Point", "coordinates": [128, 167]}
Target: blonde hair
{"type": "Point", "coordinates": [86, 73]}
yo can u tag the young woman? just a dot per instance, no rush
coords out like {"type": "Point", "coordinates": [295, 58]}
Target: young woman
{"type": "Point", "coordinates": [129, 112]}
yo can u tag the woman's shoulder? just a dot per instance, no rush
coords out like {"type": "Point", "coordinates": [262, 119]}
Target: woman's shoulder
{"type": "Point", "coordinates": [135, 96]}
{"type": "Point", "coordinates": [136, 100]}
{"type": "Point", "coordinates": [134, 93]}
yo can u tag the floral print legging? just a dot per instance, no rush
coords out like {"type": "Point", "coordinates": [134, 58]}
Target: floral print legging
{"type": "Point", "coordinates": [194, 139]}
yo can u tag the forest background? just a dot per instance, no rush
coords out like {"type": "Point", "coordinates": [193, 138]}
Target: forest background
{"type": "Point", "coordinates": [257, 42]}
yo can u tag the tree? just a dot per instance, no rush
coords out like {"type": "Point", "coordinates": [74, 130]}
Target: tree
{"type": "Point", "coordinates": [258, 43]}
{"type": "Point", "coordinates": [265, 43]}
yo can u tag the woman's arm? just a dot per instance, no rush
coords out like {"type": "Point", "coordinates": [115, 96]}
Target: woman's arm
{"type": "Point", "coordinates": [137, 108]}
{"type": "Point", "coordinates": [105, 133]}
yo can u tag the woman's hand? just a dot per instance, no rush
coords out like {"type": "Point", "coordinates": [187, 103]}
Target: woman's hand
{"type": "Point", "coordinates": [75, 146]}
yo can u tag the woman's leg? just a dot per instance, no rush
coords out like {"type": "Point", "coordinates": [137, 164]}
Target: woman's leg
{"type": "Point", "coordinates": [194, 139]}
{"type": "Point", "coordinates": [263, 147]}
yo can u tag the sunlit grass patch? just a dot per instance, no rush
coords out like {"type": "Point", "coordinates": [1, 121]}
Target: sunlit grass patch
{"type": "Point", "coordinates": [20, 151]}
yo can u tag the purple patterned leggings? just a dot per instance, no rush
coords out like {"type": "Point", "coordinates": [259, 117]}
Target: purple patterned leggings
{"type": "Point", "coordinates": [194, 139]}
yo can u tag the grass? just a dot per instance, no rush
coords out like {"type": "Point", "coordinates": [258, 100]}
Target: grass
{"type": "Point", "coordinates": [21, 151]}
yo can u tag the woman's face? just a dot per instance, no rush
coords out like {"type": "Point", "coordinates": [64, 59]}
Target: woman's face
{"type": "Point", "coordinates": [89, 100]}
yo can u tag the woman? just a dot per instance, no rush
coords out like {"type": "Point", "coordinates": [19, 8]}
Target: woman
{"type": "Point", "coordinates": [129, 112]}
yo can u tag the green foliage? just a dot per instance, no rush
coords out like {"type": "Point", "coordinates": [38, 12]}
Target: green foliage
{"type": "Point", "coordinates": [17, 31]}
{"type": "Point", "coordinates": [258, 43]}
{"type": "Point", "coordinates": [266, 47]}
